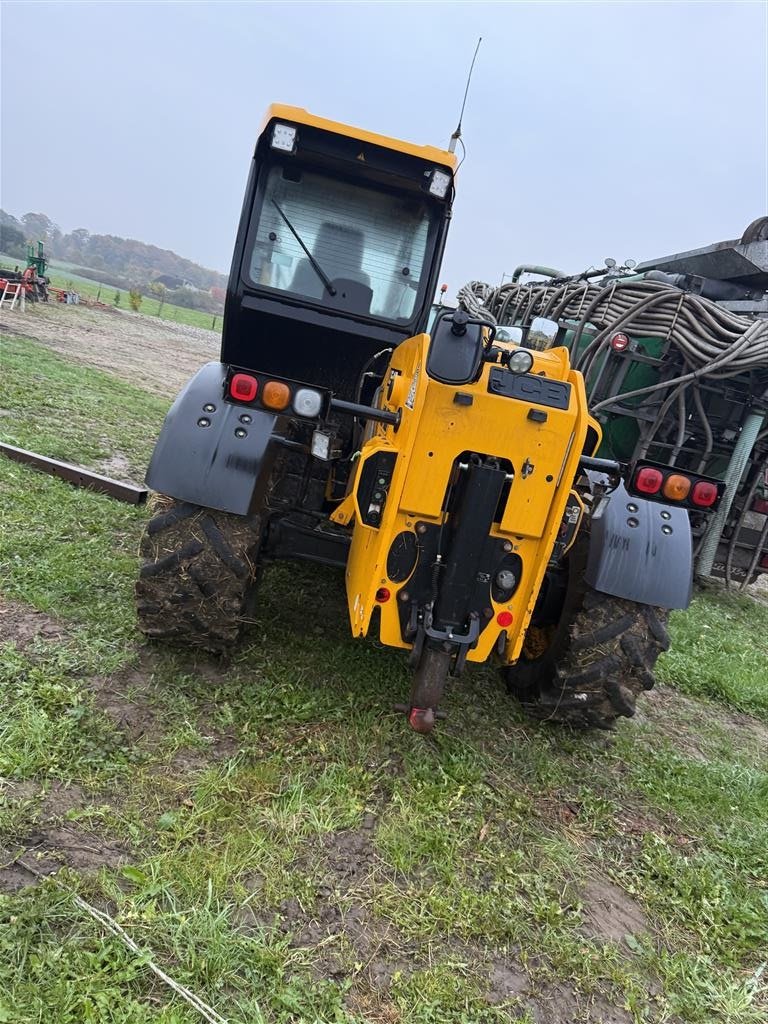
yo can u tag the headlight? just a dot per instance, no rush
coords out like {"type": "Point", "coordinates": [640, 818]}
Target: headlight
{"type": "Point", "coordinates": [439, 184]}
{"type": "Point", "coordinates": [284, 137]}
{"type": "Point", "coordinates": [307, 402]}
{"type": "Point", "coordinates": [520, 361]}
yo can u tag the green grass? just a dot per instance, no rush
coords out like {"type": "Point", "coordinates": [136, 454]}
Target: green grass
{"type": "Point", "coordinates": [726, 638]}
{"type": "Point", "coordinates": [294, 853]}
{"type": "Point", "coordinates": [81, 566]}
{"type": "Point", "coordinates": [71, 413]}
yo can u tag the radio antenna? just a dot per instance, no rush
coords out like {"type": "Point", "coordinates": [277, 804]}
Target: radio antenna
{"type": "Point", "coordinates": [457, 134]}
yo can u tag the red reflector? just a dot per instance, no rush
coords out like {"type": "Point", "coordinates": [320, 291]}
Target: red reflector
{"type": "Point", "coordinates": [764, 562]}
{"type": "Point", "coordinates": [243, 387]}
{"type": "Point", "coordinates": [383, 595]}
{"type": "Point", "coordinates": [504, 619]}
{"type": "Point", "coordinates": [704, 494]}
{"type": "Point", "coordinates": [760, 505]}
{"type": "Point", "coordinates": [648, 480]}
{"type": "Point", "coordinates": [619, 342]}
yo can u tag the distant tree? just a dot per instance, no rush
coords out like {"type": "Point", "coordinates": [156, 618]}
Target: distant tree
{"type": "Point", "coordinates": [116, 299]}
{"type": "Point", "coordinates": [74, 246]}
{"type": "Point", "coordinates": [118, 261]}
{"type": "Point", "coordinates": [158, 289]}
{"type": "Point", "coordinates": [12, 241]}
{"type": "Point", "coordinates": [38, 227]}
{"type": "Point", "coordinates": [10, 220]}
{"type": "Point", "coordinates": [134, 298]}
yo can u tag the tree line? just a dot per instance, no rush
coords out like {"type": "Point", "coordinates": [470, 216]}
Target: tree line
{"type": "Point", "coordinates": [121, 262]}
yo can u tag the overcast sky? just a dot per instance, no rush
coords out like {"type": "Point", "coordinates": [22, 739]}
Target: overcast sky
{"type": "Point", "coordinates": [592, 129]}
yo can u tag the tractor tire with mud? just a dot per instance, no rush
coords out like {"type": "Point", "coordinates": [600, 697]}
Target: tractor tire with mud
{"type": "Point", "coordinates": [588, 669]}
{"type": "Point", "coordinates": [199, 568]}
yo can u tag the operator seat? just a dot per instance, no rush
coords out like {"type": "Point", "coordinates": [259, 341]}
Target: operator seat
{"type": "Point", "coordinates": [339, 251]}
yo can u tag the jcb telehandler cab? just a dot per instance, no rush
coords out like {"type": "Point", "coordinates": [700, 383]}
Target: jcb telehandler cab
{"type": "Point", "coordinates": [450, 473]}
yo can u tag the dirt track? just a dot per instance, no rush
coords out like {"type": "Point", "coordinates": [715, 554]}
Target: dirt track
{"type": "Point", "coordinates": [155, 354]}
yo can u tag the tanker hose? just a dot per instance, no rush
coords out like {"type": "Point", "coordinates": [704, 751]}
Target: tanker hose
{"type": "Point", "coordinates": [530, 268]}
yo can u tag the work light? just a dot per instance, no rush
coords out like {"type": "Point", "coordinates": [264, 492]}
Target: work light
{"type": "Point", "coordinates": [321, 445]}
{"type": "Point", "coordinates": [520, 361]}
{"type": "Point", "coordinates": [284, 137]}
{"type": "Point", "coordinates": [439, 184]}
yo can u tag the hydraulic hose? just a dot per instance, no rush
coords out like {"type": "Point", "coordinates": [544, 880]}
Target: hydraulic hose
{"type": "Point", "coordinates": [530, 268]}
{"type": "Point", "coordinates": [714, 340]}
{"type": "Point", "coordinates": [709, 439]}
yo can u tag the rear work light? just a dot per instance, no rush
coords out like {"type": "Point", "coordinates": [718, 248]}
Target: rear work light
{"type": "Point", "coordinates": [676, 487]}
{"type": "Point", "coordinates": [439, 183]}
{"type": "Point", "coordinates": [648, 480]}
{"type": "Point", "coordinates": [275, 394]}
{"type": "Point", "coordinates": [243, 387]}
{"type": "Point", "coordinates": [284, 137]}
{"type": "Point", "coordinates": [619, 342]}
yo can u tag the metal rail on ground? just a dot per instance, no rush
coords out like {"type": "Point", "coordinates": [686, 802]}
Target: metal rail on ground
{"type": "Point", "coordinates": [77, 475]}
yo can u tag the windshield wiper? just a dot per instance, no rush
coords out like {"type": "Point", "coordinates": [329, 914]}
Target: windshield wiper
{"type": "Point", "coordinates": [315, 265]}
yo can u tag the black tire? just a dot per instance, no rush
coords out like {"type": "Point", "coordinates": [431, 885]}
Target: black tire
{"type": "Point", "coordinates": [597, 660]}
{"type": "Point", "coordinates": [198, 571]}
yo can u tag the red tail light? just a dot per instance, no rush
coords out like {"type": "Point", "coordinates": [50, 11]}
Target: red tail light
{"type": "Point", "coordinates": [243, 387]}
{"type": "Point", "coordinates": [619, 342]}
{"type": "Point", "coordinates": [383, 595]}
{"type": "Point", "coordinates": [504, 619]}
{"type": "Point", "coordinates": [704, 494]}
{"type": "Point", "coordinates": [648, 480]}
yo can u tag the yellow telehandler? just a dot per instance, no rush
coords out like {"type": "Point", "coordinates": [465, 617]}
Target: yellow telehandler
{"type": "Point", "coordinates": [451, 473]}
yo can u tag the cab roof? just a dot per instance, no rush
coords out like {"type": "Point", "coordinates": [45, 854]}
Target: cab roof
{"type": "Point", "coordinates": [297, 115]}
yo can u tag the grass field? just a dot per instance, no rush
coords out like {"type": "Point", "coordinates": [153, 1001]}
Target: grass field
{"type": "Point", "coordinates": [62, 276]}
{"type": "Point", "coordinates": [276, 839]}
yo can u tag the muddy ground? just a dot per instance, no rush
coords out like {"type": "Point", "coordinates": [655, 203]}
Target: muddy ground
{"type": "Point", "coordinates": [346, 863]}
{"type": "Point", "coordinates": [155, 354]}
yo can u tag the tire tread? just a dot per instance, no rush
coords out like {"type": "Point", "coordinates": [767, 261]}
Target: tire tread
{"type": "Point", "coordinates": [198, 568]}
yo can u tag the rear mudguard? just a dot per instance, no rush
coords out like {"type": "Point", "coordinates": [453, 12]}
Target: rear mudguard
{"type": "Point", "coordinates": [211, 452]}
{"type": "Point", "coordinates": [641, 551]}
